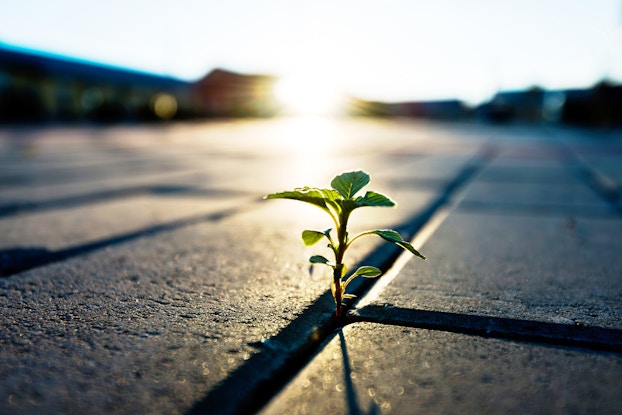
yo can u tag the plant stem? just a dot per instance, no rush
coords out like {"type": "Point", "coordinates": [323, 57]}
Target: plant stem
{"type": "Point", "coordinates": [342, 241]}
{"type": "Point", "coordinates": [338, 294]}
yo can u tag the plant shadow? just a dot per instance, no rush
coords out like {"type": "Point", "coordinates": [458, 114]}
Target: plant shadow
{"type": "Point", "coordinates": [354, 407]}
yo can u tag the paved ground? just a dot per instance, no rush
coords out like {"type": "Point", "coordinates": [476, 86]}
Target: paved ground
{"type": "Point", "coordinates": [142, 272]}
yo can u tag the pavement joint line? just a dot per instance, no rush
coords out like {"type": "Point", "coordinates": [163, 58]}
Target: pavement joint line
{"type": "Point", "coordinates": [603, 185]}
{"type": "Point", "coordinates": [278, 362]}
{"type": "Point", "coordinates": [541, 332]}
{"type": "Point", "coordinates": [11, 209]}
{"type": "Point", "coordinates": [585, 211]}
{"type": "Point", "coordinates": [40, 257]}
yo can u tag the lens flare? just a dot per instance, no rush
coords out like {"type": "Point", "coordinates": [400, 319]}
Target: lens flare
{"type": "Point", "coordinates": [164, 106]}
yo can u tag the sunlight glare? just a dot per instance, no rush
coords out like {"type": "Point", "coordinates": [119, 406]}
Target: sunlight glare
{"type": "Point", "coordinates": [308, 95]}
{"type": "Point", "coordinates": [302, 141]}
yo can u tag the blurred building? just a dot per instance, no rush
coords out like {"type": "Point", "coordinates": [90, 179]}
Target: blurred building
{"type": "Point", "coordinates": [526, 106]}
{"type": "Point", "coordinates": [37, 87]}
{"type": "Point", "coordinates": [599, 106]}
{"type": "Point", "coordinates": [225, 93]}
{"type": "Point", "coordinates": [451, 109]}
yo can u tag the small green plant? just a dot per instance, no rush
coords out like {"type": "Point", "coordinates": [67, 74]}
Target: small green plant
{"type": "Point", "coordinates": [339, 202]}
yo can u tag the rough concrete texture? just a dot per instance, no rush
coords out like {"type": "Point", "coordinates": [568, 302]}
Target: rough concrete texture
{"type": "Point", "coordinates": [164, 316]}
{"type": "Point", "coordinates": [555, 269]}
{"type": "Point", "coordinates": [378, 369]}
{"type": "Point", "coordinates": [61, 229]}
{"type": "Point", "coordinates": [142, 273]}
{"type": "Point", "coordinates": [153, 323]}
{"type": "Point", "coordinates": [529, 240]}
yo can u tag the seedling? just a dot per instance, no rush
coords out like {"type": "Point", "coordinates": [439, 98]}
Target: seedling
{"type": "Point", "coordinates": [339, 202]}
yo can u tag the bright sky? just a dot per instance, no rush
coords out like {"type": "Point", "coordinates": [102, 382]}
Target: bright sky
{"type": "Point", "coordinates": [386, 50]}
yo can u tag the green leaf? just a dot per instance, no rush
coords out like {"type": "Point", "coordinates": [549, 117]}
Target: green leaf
{"type": "Point", "coordinates": [364, 271]}
{"type": "Point", "coordinates": [319, 197]}
{"type": "Point", "coordinates": [374, 199]}
{"type": "Point", "coordinates": [370, 199]}
{"type": "Point", "coordinates": [319, 259]}
{"type": "Point", "coordinates": [348, 184]}
{"type": "Point", "coordinates": [310, 237]}
{"type": "Point", "coordinates": [367, 272]}
{"type": "Point", "coordinates": [392, 236]}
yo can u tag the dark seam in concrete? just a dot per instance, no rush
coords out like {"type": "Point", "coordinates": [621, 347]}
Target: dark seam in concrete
{"type": "Point", "coordinates": [95, 197]}
{"type": "Point", "coordinates": [253, 384]}
{"type": "Point", "coordinates": [602, 185]}
{"type": "Point", "coordinates": [541, 209]}
{"type": "Point", "coordinates": [43, 257]}
{"type": "Point", "coordinates": [267, 372]}
{"type": "Point", "coordinates": [60, 174]}
{"type": "Point", "coordinates": [577, 336]}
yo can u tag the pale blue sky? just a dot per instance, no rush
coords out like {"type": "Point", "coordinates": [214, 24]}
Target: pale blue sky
{"type": "Point", "coordinates": [375, 49]}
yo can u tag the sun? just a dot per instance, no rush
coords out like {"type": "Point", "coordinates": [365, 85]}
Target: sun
{"type": "Point", "coordinates": [308, 95]}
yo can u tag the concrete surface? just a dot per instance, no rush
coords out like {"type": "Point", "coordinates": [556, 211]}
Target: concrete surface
{"type": "Point", "coordinates": [375, 369]}
{"type": "Point", "coordinates": [142, 273]}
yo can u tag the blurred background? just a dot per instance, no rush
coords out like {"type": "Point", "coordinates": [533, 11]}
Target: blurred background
{"type": "Point", "coordinates": [70, 61]}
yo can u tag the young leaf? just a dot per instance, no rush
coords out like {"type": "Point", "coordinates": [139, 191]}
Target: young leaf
{"type": "Point", "coordinates": [370, 199]}
{"type": "Point", "coordinates": [392, 236]}
{"type": "Point", "coordinates": [345, 296]}
{"type": "Point", "coordinates": [367, 272]}
{"type": "Point", "coordinates": [375, 199]}
{"type": "Point", "coordinates": [318, 197]}
{"type": "Point", "coordinates": [310, 237]}
{"type": "Point", "coordinates": [319, 259]}
{"type": "Point", "coordinates": [348, 184]}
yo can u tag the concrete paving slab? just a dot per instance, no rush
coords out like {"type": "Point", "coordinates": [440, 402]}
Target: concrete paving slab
{"type": "Point", "coordinates": [375, 369]}
{"type": "Point", "coordinates": [598, 155]}
{"type": "Point", "coordinates": [544, 184]}
{"type": "Point", "coordinates": [573, 198]}
{"type": "Point", "coordinates": [97, 170]}
{"type": "Point", "coordinates": [542, 268]}
{"type": "Point", "coordinates": [63, 228]}
{"type": "Point", "coordinates": [604, 173]}
{"type": "Point", "coordinates": [18, 199]}
{"type": "Point", "coordinates": [521, 170]}
{"type": "Point", "coordinates": [430, 171]}
{"type": "Point", "coordinates": [609, 166]}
